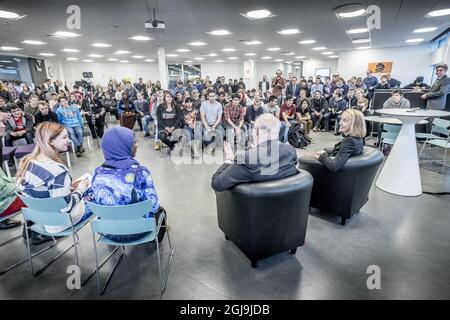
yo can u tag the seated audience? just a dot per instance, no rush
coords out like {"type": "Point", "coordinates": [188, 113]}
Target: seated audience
{"type": "Point", "coordinates": [10, 204]}
{"type": "Point", "coordinates": [169, 118]}
{"type": "Point", "coordinates": [287, 116]}
{"type": "Point", "coordinates": [397, 100]}
{"type": "Point", "coordinates": [362, 105]}
{"type": "Point", "coordinates": [70, 117]}
{"type": "Point", "coordinates": [233, 115]}
{"type": "Point", "coordinates": [384, 84]}
{"type": "Point", "coordinates": [18, 126]}
{"type": "Point", "coordinates": [418, 85]}
{"type": "Point", "coordinates": [25, 94]}
{"type": "Point", "coordinates": [337, 105]}
{"type": "Point", "coordinates": [44, 114]}
{"type": "Point", "coordinates": [211, 116]}
{"type": "Point", "coordinates": [274, 160]}
{"type": "Point", "coordinates": [304, 116]}
{"type": "Point", "coordinates": [94, 114]}
{"type": "Point", "coordinates": [127, 111]}
{"type": "Point", "coordinates": [353, 129]}
{"type": "Point", "coordinates": [32, 107]}
{"type": "Point", "coordinates": [110, 105]}
{"type": "Point", "coordinates": [192, 127]}
{"type": "Point", "coordinates": [393, 83]}
{"type": "Point", "coordinates": [42, 174]}
{"type": "Point", "coordinates": [141, 105]}
{"type": "Point", "coordinates": [120, 171]}
{"type": "Point", "coordinates": [319, 112]}
{"type": "Point", "coordinates": [253, 112]}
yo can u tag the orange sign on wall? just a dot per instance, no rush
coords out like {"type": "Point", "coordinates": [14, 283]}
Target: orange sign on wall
{"type": "Point", "coordinates": [380, 67]}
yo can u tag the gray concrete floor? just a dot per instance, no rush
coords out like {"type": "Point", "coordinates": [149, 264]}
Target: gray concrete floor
{"type": "Point", "coordinates": [408, 238]}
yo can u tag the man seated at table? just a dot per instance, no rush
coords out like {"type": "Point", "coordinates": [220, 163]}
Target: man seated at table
{"type": "Point", "coordinates": [397, 100]}
{"type": "Point", "coordinates": [268, 159]}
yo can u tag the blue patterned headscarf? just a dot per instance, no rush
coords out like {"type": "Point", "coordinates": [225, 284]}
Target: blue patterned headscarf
{"type": "Point", "coordinates": [117, 144]}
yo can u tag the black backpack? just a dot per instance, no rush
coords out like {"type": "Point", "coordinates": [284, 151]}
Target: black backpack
{"type": "Point", "coordinates": [297, 138]}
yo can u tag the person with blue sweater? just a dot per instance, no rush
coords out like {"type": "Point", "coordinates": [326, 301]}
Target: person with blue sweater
{"type": "Point", "coordinates": [70, 117]}
{"type": "Point", "coordinates": [121, 180]}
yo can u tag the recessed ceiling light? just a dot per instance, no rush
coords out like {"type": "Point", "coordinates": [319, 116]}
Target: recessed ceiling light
{"type": "Point", "coordinates": [199, 58]}
{"type": "Point", "coordinates": [212, 54]}
{"type": "Point", "coordinates": [439, 13]}
{"type": "Point", "coordinates": [188, 61]}
{"type": "Point", "coordinates": [140, 38]}
{"type": "Point", "coordinates": [124, 61]}
{"type": "Point", "coordinates": [423, 30]}
{"type": "Point", "coordinates": [306, 42]}
{"type": "Point", "coordinates": [288, 53]}
{"type": "Point", "coordinates": [414, 40]}
{"type": "Point", "coordinates": [113, 59]}
{"type": "Point", "coordinates": [171, 55]}
{"type": "Point", "coordinates": [232, 58]}
{"type": "Point", "coordinates": [88, 60]}
{"type": "Point", "coordinates": [257, 14]}
{"type": "Point", "coordinates": [66, 34]}
{"type": "Point", "coordinates": [363, 47]}
{"type": "Point", "coordinates": [34, 42]}
{"type": "Point", "coordinates": [149, 60]}
{"type": "Point", "coordinates": [183, 50]}
{"type": "Point", "coordinates": [273, 49]}
{"type": "Point", "coordinates": [250, 54]}
{"type": "Point", "coordinates": [300, 57]}
{"type": "Point", "coordinates": [6, 48]}
{"type": "Point", "coordinates": [95, 55]}
{"type": "Point", "coordinates": [138, 57]}
{"type": "Point", "coordinates": [5, 61]}
{"type": "Point", "coordinates": [196, 43]}
{"type": "Point", "coordinates": [45, 54]}
{"type": "Point", "coordinates": [327, 52]}
{"type": "Point", "coordinates": [70, 50]}
{"type": "Point", "coordinates": [333, 56]}
{"type": "Point", "coordinates": [356, 31]}
{"type": "Point", "coordinates": [221, 32]}
{"type": "Point", "coordinates": [219, 61]}
{"type": "Point", "coordinates": [289, 31]}
{"type": "Point", "coordinates": [251, 42]}
{"type": "Point", "coordinates": [278, 60]}
{"type": "Point", "coordinates": [72, 59]}
{"type": "Point", "coordinates": [319, 48]}
{"type": "Point", "coordinates": [361, 41]}
{"type": "Point", "coordinates": [122, 52]}
{"type": "Point", "coordinates": [11, 67]}
{"type": "Point", "coordinates": [351, 14]}
{"type": "Point", "coordinates": [228, 49]}
{"type": "Point", "coordinates": [101, 45]}
{"type": "Point", "coordinates": [8, 15]}
{"type": "Point", "coordinates": [266, 57]}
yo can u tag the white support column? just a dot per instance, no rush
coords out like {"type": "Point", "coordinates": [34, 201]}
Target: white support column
{"type": "Point", "coordinates": [162, 68]}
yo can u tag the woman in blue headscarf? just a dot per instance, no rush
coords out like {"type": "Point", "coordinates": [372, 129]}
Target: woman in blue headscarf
{"type": "Point", "coordinates": [121, 180]}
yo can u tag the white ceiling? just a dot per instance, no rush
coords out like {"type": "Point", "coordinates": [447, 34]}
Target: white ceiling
{"type": "Point", "coordinates": [189, 20]}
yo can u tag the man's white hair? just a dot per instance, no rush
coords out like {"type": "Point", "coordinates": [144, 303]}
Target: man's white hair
{"type": "Point", "coordinates": [268, 124]}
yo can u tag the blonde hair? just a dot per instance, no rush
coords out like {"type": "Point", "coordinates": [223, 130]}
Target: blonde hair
{"type": "Point", "coordinates": [46, 132]}
{"type": "Point", "coordinates": [357, 123]}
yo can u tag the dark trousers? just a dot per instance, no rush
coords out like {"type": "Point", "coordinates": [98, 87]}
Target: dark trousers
{"type": "Point", "coordinates": [139, 120]}
{"type": "Point", "coordinates": [98, 128]}
{"type": "Point", "coordinates": [316, 119]}
{"type": "Point", "coordinates": [9, 139]}
{"type": "Point", "coordinates": [164, 136]}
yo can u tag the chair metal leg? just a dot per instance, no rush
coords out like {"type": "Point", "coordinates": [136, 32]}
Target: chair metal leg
{"type": "Point", "coordinates": [5, 164]}
{"type": "Point", "coordinates": [112, 271]}
{"type": "Point", "coordinates": [98, 266]}
{"type": "Point", "coordinates": [28, 247]}
{"type": "Point", "coordinates": [88, 140]}
{"type": "Point", "coordinates": [53, 260]}
{"type": "Point", "coordinates": [423, 147]}
{"type": "Point", "coordinates": [166, 276]}
{"type": "Point", "coordinates": [25, 260]}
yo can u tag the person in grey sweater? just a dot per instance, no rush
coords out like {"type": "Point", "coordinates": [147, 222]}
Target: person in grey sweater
{"type": "Point", "coordinates": [396, 101]}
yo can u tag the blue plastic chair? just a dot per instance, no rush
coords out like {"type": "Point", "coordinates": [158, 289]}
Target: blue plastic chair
{"type": "Point", "coordinates": [9, 241]}
{"type": "Point", "coordinates": [126, 220]}
{"type": "Point", "coordinates": [46, 212]}
{"type": "Point", "coordinates": [389, 134]}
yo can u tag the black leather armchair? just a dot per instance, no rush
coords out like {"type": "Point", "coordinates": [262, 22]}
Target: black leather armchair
{"type": "Point", "coordinates": [346, 191]}
{"type": "Point", "coordinates": [265, 218]}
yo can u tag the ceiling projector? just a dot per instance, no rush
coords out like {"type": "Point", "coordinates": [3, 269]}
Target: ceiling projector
{"type": "Point", "coordinates": [154, 25]}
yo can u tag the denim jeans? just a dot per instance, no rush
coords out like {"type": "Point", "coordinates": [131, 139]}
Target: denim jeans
{"type": "Point", "coordinates": [76, 135]}
{"type": "Point", "coordinates": [145, 121]}
{"type": "Point", "coordinates": [217, 134]}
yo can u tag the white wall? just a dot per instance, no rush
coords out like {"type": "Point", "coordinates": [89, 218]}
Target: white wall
{"type": "Point", "coordinates": [54, 64]}
{"type": "Point", "coordinates": [310, 66]}
{"type": "Point", "coordinates": [408, 62]}
{"type": "Point", "coordinates": [230, 70]}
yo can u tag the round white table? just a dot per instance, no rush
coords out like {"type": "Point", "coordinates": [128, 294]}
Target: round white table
{"type": "Point", "coordinates": [400, 174]}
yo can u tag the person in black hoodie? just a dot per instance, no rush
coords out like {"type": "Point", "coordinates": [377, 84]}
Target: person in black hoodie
{"type": "Point", "coordinates": [418, 85]}
{"type": "Point", "coordinates": [169, 118]}
{"type": "Point", "coordinates": [44, 114]}
{"type": "Point", "coordinates": [319, 111]}
{"type": "Point", "coordinates": [353, 129]}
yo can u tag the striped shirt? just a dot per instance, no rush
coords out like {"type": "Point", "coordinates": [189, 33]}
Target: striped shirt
{"type": "Point", "coordinates": [51, 179]}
